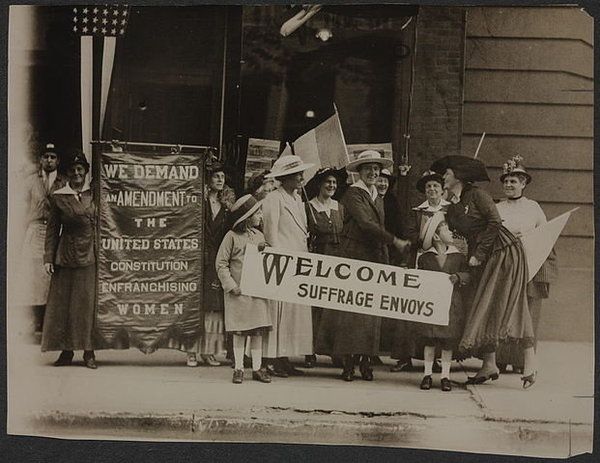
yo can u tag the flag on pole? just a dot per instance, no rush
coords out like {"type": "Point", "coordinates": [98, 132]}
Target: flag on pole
{"type": "Point", "coordinates": [324, 146]}
{"type": "Point", "coordinates": [538, 243]}
{"type": "Point", "coordinates": [99, 26]}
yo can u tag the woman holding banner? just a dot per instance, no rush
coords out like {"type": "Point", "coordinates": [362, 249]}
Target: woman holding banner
{"type": "Point", "coordinates": [356, 336]}
{"type": "Point", "coordinates": [285, 227]}
{"type": "Point", "coordinates": [520, 215]}
{"type": "Point", "coordinates": [70, 258]}
{"type": "Point", "coordinates": [499, 308]}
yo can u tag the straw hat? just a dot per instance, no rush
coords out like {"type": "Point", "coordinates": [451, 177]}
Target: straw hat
{"type": "Point", "coordinates": [244, 208]}
{"type": "Point", "coordinates": [430, 228]}
{"type": "Point", "coordinates": [514, 166]}
{"type": "Point", "coordinates": [429, 176]}
{"type": "Point", "coordinates": [287, 165]}
{"type": "Point", "coordinates": [368, 157]}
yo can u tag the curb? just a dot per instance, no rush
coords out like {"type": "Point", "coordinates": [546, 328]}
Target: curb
{"type": "Point", "coordinates": [318, 427]}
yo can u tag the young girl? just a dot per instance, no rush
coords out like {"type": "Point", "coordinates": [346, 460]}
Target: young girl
{"type": "Point", "coordinates": [244, 315]}
{"type": "Point", "coordinates": [440, 255]}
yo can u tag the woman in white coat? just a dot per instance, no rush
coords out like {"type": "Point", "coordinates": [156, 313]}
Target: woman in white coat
{"type": "Point", "coordinates": [285, 227]}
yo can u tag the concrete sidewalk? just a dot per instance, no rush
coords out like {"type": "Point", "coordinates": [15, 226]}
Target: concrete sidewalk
{"type": "Point", "coordinates": [133, 395]}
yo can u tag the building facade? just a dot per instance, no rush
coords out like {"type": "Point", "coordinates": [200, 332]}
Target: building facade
{"type": "Point", "coordinates": [429, 80]}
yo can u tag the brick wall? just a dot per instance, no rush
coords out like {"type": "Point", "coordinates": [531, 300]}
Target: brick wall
{"type": "Point", "coordinates": [436, 116]}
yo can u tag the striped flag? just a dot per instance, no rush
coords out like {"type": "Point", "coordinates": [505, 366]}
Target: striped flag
{"type": "Point", "coordinates": [323, 146]}
{"type": "Point", "coordinates": [99, 26]}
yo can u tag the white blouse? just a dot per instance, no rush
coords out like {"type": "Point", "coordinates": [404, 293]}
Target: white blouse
{"type": "Point", "coordinates": [521, 215]}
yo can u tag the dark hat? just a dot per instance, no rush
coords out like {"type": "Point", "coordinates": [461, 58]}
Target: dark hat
{"type": "Point", "coordinates": [244, 208]}
{"type": "Point", "coordinates": [81, 160]}
{"type": "Point", "coordinates": [429, 176]}
{"type": "Point", "coordinates": [465, 168]}
{"type": "Point", "coordinates": [257, 180]}
{"type": "Point", "coordinates": [49, 148]}
{"type": "Point", "coordinates": [314, 184]}
{"type": "Point", "coordinates": [515, 167]}
{"type": "Point", "coordinates": [213, 167]}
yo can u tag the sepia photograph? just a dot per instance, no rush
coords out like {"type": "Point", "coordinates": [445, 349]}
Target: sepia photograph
{"type": "Point", "coordinates": [364, 225]}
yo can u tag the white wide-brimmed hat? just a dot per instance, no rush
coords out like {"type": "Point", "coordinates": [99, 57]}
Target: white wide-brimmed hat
{"type": "Point", "coordinates": [431, 227]}
{"type": "Point", "coordinates": [368, 157]}
{"type": "Point", "coordinates": [287, 165]}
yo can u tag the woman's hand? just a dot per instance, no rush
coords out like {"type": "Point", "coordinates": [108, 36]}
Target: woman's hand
{"type": "Point", "coordinates": [474, 262]}
{"type": "Point", "coordinates": [454, 279]}
{"type": "Point", "coordinates": [236, 291]}
{"type": "Point", "coordinates": [399, 244]}
{"type": "Point", "coordinates": [49, 268]}
{"type": "Point", "coordinates": [262, 246]}
{"type": "Point", "coordinates": [404, 169]}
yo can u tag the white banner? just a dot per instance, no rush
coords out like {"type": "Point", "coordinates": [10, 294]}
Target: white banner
{"type": "Point", "coordinates": [539, 242]}
{"type": "Point", "coordinates": [348, 285]}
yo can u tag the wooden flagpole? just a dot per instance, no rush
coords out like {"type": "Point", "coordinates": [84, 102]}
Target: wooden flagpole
{"type": "Point", "coordinates": [479, 146]}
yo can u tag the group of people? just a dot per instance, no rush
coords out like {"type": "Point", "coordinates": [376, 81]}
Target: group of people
{"type": "Point", "coordinates": [458, 230]}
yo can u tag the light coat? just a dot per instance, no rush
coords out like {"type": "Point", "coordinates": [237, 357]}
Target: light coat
{"type": "Point", "coordinates": [285, 227]}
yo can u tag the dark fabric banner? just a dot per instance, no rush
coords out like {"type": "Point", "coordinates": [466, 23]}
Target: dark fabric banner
{"type": "Point", "coordinates": [150, 249]}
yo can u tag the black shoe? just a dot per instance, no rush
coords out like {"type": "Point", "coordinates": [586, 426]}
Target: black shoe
{"type": "Point", "coordinates": [289, 368]}
{"type": "Point", "coordinates": [366, 372]}
{"type": "Point", "coordinates": [426, 383]}
{"type": "Point", "coordinates": [310, 361]}
{"type": "Point", "coordinates": [401, 365]}
{"type": "Point", "coordinates": [238, 376]}
{"type": "Point", "coordinates": [529, 380]}
{"type": "Point", "coordinates": [90, 363]}
{"type": "Point", "coordinates": [64, 359]}
{"type": "Point", "coordinates": [348, 375]}
{"type": "Point", "coordinates": [277, 371]}
{"type": "Point", "coordinates": [446, 385]}
{"type": "Point", "coordinates": [261, 375]}
{"type": "Point", "coordinates": [482, 379]}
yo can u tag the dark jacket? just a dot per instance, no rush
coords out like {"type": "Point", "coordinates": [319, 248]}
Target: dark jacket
{"type": "Point", "coordinates": [74, 246]}
{"type": "Point", "coordinates": [476, 218]}
{"type": "Point", "coordinates": [365, 236]}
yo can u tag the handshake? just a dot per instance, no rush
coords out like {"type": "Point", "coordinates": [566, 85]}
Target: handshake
{"type": "Point", "coordinates": [400, 244]}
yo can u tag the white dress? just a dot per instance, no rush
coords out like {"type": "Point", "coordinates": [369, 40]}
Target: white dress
{"type": "Point", "coordinates": [285, 227]}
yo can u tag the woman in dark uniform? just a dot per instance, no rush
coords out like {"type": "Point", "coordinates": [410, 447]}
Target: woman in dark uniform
{"type": "Point", "coordinates": [356, 336]}
{"type": "Point", "coordinates": [70, 257]}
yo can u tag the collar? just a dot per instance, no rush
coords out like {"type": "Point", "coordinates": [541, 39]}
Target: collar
{"type": "Point", "coordinates": [332, 204]}
{"type": "Point", "coordinates": [425, 206]}
{"type": "Point", "coordinates": [372, 192]}
{"type": "Point", "coordinates": [515, 199]}
{"type": "Point", "coordinates": [67, 190]}
{"type": "Point", "coordinates": [450, 250]}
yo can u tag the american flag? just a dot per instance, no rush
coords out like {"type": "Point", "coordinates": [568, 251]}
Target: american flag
{"type": "Point", "coordinates": [100, 20]}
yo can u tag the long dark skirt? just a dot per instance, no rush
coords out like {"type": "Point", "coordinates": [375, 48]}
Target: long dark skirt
{"type": "Point", "coordinates": [499, 310]}
{"type": "Point", "coordinates": [342, 333]}
{"type": "Point", "coordinates": [69, 318]}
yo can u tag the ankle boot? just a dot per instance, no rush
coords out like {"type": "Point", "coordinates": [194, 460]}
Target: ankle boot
{"type": "Point", "coordinates": [366, 372]}
{"type": "Point", "coordinates": [348, 365]}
